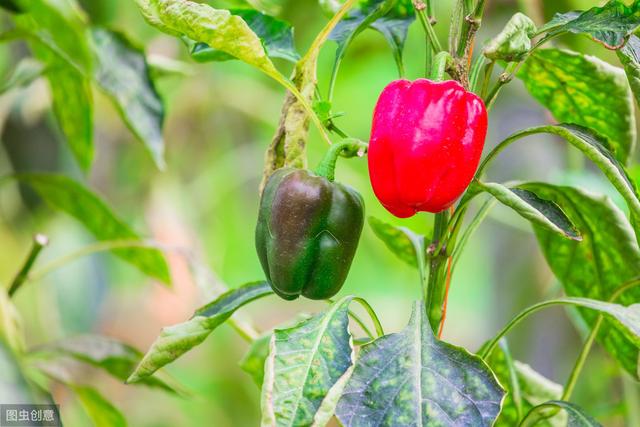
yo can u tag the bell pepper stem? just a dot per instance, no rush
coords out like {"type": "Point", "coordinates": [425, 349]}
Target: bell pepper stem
{"type": "Point", "coordinates": [346, 148]}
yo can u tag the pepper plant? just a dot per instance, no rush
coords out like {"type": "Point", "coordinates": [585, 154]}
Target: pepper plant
{"type": "Point", "coordinates": [425, 154]}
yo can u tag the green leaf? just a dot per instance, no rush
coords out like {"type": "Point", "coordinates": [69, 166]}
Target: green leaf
{"type": "Point", "coordinates": [59, 34]}
{"type": "Point", "coordinates": [99, 409]}
{"type": "Point", "coordinates": [609, 24]}
{"type": "Point", "coordinates": [69, 196]}
{"type": "Point", "coordinates": [217, 28]}
{"type": "Point", "coordinates": [391, 18]}
{"type": "Point", "coordinates": [598, 149]}
{"type": "Point", "coordinates": [272, 7]}
{"type": "Point", "coordinates": [405, 244]}
{"type": "Point", "coordinates": [72, 102]}
{"type": "Point", "coordinates": [583, 90]}
{"type": "Point", "coordinates": [307, 369]}
{"type": "Point", "coordinates": [525, 387]}
{"type": "Point", "coordinates": [276, 36]}
{"type": "Point", "coordinates": [576, 416]}
{"type": "Point", "coordinates": [10, 5]}
{"type": "Point", "coordinates": [514, 41]}
{"type": "Point", "coordinates": [26, 72]}
{"type": "Point", "coordinates": [629, 55]}
{"type": "Point", "coordinates": [61, 26]}
{"type": "Point", "coordinates": [73, 106]}
{"type": "Point", "coordinates": [253, 361]}
{"type": "Point", "coordinates": [176, 340]}
{"type": "Point", "coordinates": [626, 319]}
{"type": "Point", "coordinates": [114, 357]}
{"type": "Point", "coordinates": [594, 268]}
{"type": "Point", "coordinates": [394, 26]}
{"type": "Point", "coordinates": [411, 378]}
{"type": "Point", "coordinates": [527, 204]}
{"type": "Point", "coordinates": [123, 73]}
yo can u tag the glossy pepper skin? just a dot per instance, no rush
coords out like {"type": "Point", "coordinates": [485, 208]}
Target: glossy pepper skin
{"type": "Point", "coordinates": [307, 233]}
{"type": "Point", "coordinates": [426, 142]}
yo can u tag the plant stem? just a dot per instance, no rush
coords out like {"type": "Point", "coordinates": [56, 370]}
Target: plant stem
{"type": "Point", "coordinates": [326, 31]}
{"type": "Point", "coordinates": [516, 320]}
{"type": "Point", "coordinates": [439, 66]}
{"type": "Point", "coordinates": [446, 296]}
{"type": "Point", "coordinates": [39, 242]}
{"type": "Point", "coordinates": [436, 286]}
{"type": "Point", "coordinates": [372, 314]}
{"type": "Point", "coordinates": [425, 21]}
{"type": "Point", "coordinates": [244, 330]}
{"type": "Point", "coordinates": [488, 70]}
{"type": "Point", "coordinates": [588, 343]}
{"type": "Point", "coordinates": [536, 307]}
{"type": "Point", "coordinates": [89, 250]}
{"type": "Point", "coordinates": [307, 107]}
{"type": "Point", "coordinates": [347, 148]}
{"type": "Point", "coordinates": [582, 358]}
{"type": "Point", "coordinates": [360, 322]}
{"type": "Point", "coordinates": [471, 228]}
{"type": "Point", "coordinates": [470, 25]}
{"type": "Point", "coordinates": [310, 58]}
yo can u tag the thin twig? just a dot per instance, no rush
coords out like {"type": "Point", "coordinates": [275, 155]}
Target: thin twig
{"type": "Point", "coordinates": [39, 242]}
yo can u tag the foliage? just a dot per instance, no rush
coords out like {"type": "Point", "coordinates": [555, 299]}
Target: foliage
{"type": "Point", "coordinates": [320, 368]}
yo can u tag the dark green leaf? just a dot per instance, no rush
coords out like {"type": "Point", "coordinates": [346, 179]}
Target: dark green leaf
{"type": "Point", "coordinates": [307, 369]}
{"type": "Point", "coordinates": [391, 18]}
{"type": "Point", "coordinates": [26, 72]}
{"type": "Point", "coordinates": [217, 28]}
{"type": "Point", "coordinates": [609, 24]}
{"type": "Point", "coordinates": [176, 340]}
{"type": "Point", "coordinates": [527, 204]}
{"type": "Point", "coordinates": [598, 149]}
{"type": "Point", "coordinates": [394, 26]}
{"type": "Point", "coordinates": [114, 357]}
{"type": "Point", "coordinates": [404, 243]}
{"type": "Point", "coordinates": [594, 268]}
{"type": "Point", "coordinates": [99, 409]}
{"type": "Point", "coordinates": [123, 74]}
{"type": "Point", "coordinates": [72, 101]}
{"type": "Point", "coordinates": [514, 41]}
{"type": "Point", "coordinates": [76, 200]}
{"type": "Point", "coordinates": [630, 57]}
{"type": "Point", "coordinates": [276, 36]}
{"type": "Point", "coordinates": [411, 378]}
{"type": "Point", "coordinates": [576, 416]}
{"type": "Point", "coordinates": [73, 106]}
{"type": "Point", "coordinates": [10, 5]}
{"type": "Point", "coordinates": [583, 90]}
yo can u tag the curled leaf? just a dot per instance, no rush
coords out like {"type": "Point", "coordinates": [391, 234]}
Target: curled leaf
{"type": "Point", "coordinates": [514, 41]}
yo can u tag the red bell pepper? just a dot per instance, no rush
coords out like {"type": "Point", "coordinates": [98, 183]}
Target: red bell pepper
{"type": "Point", "coordinates": [426, 141]}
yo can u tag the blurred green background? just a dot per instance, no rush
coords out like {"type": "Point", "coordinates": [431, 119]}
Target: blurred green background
{"type": "Point", "coordinates": [220, 119]}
